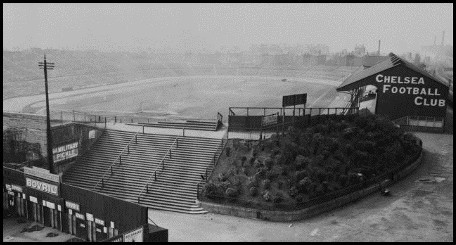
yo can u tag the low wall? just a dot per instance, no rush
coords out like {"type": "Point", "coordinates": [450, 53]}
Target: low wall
{"type": "Point", "coordinates": [311, 211]}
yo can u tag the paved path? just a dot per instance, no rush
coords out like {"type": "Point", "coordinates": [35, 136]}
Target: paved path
{"type": "Point", "coordinates": [416, 211]}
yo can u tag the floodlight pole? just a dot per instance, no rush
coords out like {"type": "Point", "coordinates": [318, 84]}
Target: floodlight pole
{"type": "Point", "coordinates": [48, 66]}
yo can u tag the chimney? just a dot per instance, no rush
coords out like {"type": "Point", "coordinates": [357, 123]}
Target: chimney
{"type": "Point", "coordinates": [378, 52]}
{"type": "Point", "coordinates": [443, 36]}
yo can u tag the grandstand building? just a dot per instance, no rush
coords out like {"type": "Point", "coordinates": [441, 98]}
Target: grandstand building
{"type": "Point", "coordinates": [404, 92]}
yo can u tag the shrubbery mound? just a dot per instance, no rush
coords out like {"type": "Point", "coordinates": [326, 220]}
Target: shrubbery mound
{"type": "Point", "coordinates": [305, 164]}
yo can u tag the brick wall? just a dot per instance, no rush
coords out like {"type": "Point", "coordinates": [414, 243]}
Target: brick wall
{"type": "Point", "coordinates": [31, 129]}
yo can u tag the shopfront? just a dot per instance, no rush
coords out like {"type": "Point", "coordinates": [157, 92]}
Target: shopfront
{"type": "Point", "coordinates": [44, 204]}
{"type": "Point", "coordinates": [14, 200]}
{"type": "Point", "coordinates": [41, 197]}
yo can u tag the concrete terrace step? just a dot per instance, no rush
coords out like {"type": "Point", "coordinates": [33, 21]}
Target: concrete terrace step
{"type": "Point", "coordinates": [175, 189]}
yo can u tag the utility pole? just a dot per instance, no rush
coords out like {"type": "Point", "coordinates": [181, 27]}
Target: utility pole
{"type": "Point", "coordinates": [48, 66]}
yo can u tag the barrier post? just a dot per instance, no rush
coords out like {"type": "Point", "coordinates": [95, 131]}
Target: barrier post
{"type": "Point", "coordinates": [115, 119]}
{"type": "Point", "coordinates": [105, 122]}
{"type": "Point", "coordinates": [120, 159]}
{"type": "Point", "coordinates": [155, 175]}
{"type": "Point", "coordinates": [74, 118]}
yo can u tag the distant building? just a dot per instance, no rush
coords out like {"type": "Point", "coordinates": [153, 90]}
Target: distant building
{"type": "Point", "coordinates": [370, 60]}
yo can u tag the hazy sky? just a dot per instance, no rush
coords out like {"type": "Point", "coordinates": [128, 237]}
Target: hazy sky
{"type": "Point", "coordinates": [182, 26]}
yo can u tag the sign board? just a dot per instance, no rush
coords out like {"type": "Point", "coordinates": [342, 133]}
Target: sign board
{"type": "Point", "coordinates": [65, 152]}
{"type": "Point", "coordinates": [8, 187]}
{"type": "Point", "coordinates": [42, 173]}
{"type": "Point", "coordinates": [99, 221]}
{"type": "Point", "coordinates": [89, 217]}
{"type": "Point", "coordinates": [59, 208]}
{"type": "Point", "coordinates": [33, 199]}
{"type": "Point", "coordinates": [16, 188]}
{"type": "Point", "coordinates": [79, 216]}
{"type": "Point", "coordinates": [92, 134]}
{"type": "Point", "coordinates": [294, 99]}
{"type": "Point", "coordinates": [72, 205]}
{"type": "Point", "coordinates": [50, 205]}
{"type": "Point", "coordinates": [135, 235]}
{"type": "Point", "coordinates": [402, 93]}
{"type": "Point", "coordinates": [42, 186]}
{"type": "Point", "coordinates": [270, 119]}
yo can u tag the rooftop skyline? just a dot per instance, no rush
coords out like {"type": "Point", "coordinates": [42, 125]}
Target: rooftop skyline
{"type": "Point", "coordinates": [184, 27]}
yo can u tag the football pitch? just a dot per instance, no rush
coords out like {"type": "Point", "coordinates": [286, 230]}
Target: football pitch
{"type": "Point", "coordinates": [198, 97]}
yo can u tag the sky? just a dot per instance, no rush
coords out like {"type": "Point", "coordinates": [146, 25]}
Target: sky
{"type": "Point", "coordinates": [401, 27]}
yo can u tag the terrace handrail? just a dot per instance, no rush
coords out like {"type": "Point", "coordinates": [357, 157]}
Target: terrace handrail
{"type": "Point", "coordinates": [347, 106]}
{"type": "Point", "coordinates": [219, 117]}
{"type": "Point", "coordinates": [162, 162]}
{"type": "Point", "coordinates": [118, 157]}
{"type": "Point", "coordinates": [216, 159]}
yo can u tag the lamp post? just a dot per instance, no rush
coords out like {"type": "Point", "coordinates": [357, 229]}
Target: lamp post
{"type": "Point", "coordinates": [48, 66]}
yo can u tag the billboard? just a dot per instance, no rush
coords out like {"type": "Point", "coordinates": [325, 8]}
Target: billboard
{"type": "Point", "coordinates": [270, 119]}
{"type": "Point", "coordinates": [294, 99]}
{"type": "Point", "coordinates": [42, 186]}
{"type": "Point", "coordinates": [65, 152]}
{"type": "Point", "coordinates": [404, 92]}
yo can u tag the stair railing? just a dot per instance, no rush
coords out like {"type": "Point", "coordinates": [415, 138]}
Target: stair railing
{"type": "Point", "coordinates": [161, 166]}
{"type": "Point", "coordinates": [119, 157]}
{"type": "Point", "coordinates": [210, 168]}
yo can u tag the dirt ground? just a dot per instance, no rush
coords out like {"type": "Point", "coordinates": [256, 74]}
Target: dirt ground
{"type": "Point", "coordinates": [181, 96]}
{"type": "Point", "coordinates": [419, 209]}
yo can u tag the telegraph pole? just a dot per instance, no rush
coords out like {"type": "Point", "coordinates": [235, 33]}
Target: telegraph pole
{"type": "Point", "coordinates": [48, 66]}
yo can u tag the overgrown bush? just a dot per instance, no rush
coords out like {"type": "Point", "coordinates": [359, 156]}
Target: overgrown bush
{"type": "Point", "coordinates": [334, 153]}
{"type": "Point", "coordinates": [231, 192]}
{"type": "Point", "coordinates": [266, 184]}
{"type": "Point", "coordinates": [253, 191]}
{"type": "Point", "coordinates": [228, 151]}
{"type": "Point", "coordinates": [293, 191]}
{"type": "Point", "coordinates": [213, 190]}
{"type": "Point", "coordinates": [278, 198]}
{"type": "Point", "coordinates": [266, 196]}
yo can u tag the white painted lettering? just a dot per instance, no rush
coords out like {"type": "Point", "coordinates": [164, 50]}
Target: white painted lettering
{"type": "Point", "coordinates": [421, 81]}
{"type": "Point", "coordinates": [385, 88]}
{"type": "Point", "coordinates": [394, 90]}
{"type": "Point", "coordinates": [441, 102]}
{"type": "Point", "coordinates": [393, 79]}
